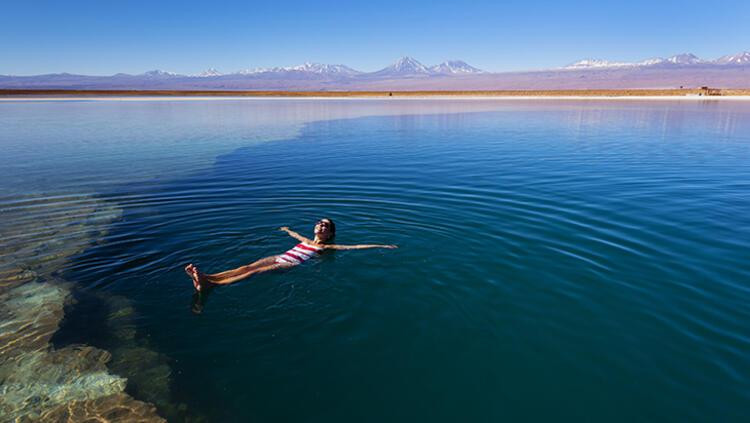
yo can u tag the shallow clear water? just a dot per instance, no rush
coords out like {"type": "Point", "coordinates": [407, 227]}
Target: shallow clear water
{"type": "Point", "coordinates": [558, 259]}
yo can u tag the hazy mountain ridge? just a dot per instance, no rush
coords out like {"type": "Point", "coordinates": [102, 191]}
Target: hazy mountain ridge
{"type": "Point", "coordinates": [405, 66]}
{"type": "Point", "coordinates": [683, 59]}
{"type": "Point", "coordinates": [732, 71]}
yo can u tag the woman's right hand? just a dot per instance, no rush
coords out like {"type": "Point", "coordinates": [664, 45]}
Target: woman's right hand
{"type": "Point", "coordinates": [284, 228]}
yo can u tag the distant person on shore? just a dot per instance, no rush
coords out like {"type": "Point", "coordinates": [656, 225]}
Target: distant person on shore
{"type": "Point", "coordinates": [324, 232]}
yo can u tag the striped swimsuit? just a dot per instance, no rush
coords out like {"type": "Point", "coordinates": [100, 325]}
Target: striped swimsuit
{"type": "Point", "coordinates": [300, 253]}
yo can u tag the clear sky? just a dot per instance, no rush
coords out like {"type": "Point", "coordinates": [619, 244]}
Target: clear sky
{"type": "Point", "coordinates": [105, 37]}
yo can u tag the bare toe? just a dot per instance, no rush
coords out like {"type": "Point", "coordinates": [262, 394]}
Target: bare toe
{"type": "Point", "coordinates": [200, 277]}
{"type": "Point", "coordinates": [196, 283]}
{"type": "Point", "coordinates": [192, 271]}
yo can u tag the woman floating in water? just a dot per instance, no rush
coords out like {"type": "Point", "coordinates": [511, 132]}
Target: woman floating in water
{"type": "Point", "coordinates": [324, 232]}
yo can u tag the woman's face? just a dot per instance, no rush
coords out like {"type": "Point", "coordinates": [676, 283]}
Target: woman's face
{"type": "Point", "coordinates": [323, 228]}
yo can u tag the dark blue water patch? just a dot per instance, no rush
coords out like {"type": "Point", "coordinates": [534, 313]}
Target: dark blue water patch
{"type": "Point", "coordinates": [554, 264]}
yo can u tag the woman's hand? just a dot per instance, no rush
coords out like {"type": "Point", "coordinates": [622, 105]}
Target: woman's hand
{"type": "Point", "coordinates": [391, 246]}
{"type": "Point", "coordinates": [284, 229]}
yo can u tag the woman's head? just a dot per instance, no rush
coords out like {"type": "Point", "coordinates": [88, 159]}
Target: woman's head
{"type": "Point", "coordinates": [325, 229]}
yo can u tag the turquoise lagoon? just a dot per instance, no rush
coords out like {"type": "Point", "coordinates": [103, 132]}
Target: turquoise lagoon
{"type": "Point", "coordinates": [559, 259]}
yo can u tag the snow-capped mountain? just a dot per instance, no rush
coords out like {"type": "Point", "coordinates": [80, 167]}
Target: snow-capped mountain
{"type": "Point", "coordinates": [454, 67]}
{"type": "Point", "coordinates": [158, 73]}
{"type": "Point", "coordinates": [685, 59]}
{"type": "Point", "coordinates": [307, 67]}
{"type": "Point", "coordinates": [679, 59]}
{"type": "Point", "coordinates": [251, 71]}
{"type": "Point", "coordinates": [405, 66]}
{"type": "Point", "coordinates": [209, 73]}
{"type": "Point", "coordinates": [597, 64]}
{"type": "Point", "coordinates": [734, 59]}
{"type": "Point", "coordinates": [321, 68]}
{"type": "Point", "coordinates": [652, 61]}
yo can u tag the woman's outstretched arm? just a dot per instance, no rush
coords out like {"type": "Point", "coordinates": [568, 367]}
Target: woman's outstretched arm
{"type": "Point", "coordinates": [358, 247]}
{"type": "Point", "coordinates": [293, 234]}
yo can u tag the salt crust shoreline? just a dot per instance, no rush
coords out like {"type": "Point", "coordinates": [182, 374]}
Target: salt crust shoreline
{"type": "Point", "coordinates": [407, 98]}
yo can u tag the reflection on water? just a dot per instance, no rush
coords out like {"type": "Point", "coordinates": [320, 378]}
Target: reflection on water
{"type": "Point", "coordinates": [581, 254]}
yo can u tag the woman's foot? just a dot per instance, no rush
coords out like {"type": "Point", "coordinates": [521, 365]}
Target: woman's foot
{"type": "Point", "coordinates": [198, 278]}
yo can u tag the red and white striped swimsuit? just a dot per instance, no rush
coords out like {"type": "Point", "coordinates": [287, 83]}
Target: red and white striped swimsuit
{"type": "Point", "coordinates": [300, 253]}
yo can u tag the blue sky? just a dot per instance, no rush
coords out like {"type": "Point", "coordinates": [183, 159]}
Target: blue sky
{"type": "Point", "coordinates": [103, 37]}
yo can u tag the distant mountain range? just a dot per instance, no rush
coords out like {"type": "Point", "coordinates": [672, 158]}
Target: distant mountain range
{"type": "Point", "coordinates": [685, 59]}
{"type": "Point", "coordinates": [404, 67]}
{"type": "Point", "coordinates": [732, 71]}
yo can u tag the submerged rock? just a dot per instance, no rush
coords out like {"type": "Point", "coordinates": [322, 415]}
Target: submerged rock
{"type": "Point", "coordinates": [37, 381]}
{"type": "Point", "coordinates": [29, 316]}
{"type": "Point", "coordinates": [111, 408]}
{"type": "Point", "coordinates": [40, 235]}
{"type": "Point", "coordinates": [147, 370]}
{"type": "Point", "coordinates": [34, 377]}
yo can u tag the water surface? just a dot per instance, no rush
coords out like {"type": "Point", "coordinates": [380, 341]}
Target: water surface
{"type": "Point", "coordinates": [558, 259]}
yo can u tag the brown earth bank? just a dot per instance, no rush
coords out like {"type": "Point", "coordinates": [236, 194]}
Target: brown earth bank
{"type": "Point", "coordinates": [483, 93]}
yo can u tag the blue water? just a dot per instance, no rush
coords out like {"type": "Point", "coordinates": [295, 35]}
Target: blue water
{"type": "Point", "coordinates": [558, 260]}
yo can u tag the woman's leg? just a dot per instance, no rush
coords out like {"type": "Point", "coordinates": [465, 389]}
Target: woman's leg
{"type": "Point", "coordinates": [241, 270]}
{"type": "Point", "coordinates": [200, 279]}
{"type": "Point", "coordinates": [247, 274]}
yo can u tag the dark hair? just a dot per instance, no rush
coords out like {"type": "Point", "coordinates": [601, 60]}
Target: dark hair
{"type": "Point", "coordinates": [331, 228]}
